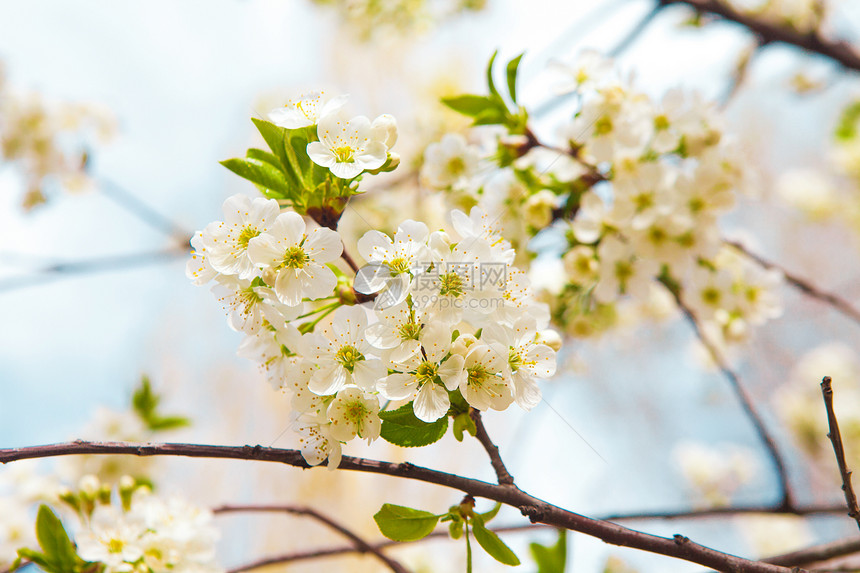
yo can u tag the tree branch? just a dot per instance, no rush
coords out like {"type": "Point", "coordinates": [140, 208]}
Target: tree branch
{"type": "Point", "coordinates": [804, 286]}
{"type": "Point", "coordinates": [836, 438]}
{"type": "Point", "coordinates": [144, 212]}
{"type": "Point", "coordinates": [96, 265]}
{"type": "Point", "coordinates": [348, 549]}
{"type": "Point", "coordinates": [537, 510]}
{"type": "Point", "coordinates": [634, 33]}
{"type": "Point", "coordinates": [817, 553]}
{"type": "Point", "coordinates": [360, 544]}
{"type": "Point", "coordinates": [504, 477]}
{"type": "Point", "coordinates": [745, 399]}
{"type": "Point", "coordinates": [840, 52]}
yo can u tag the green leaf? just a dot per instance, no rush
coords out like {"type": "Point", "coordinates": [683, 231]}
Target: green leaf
{"type": "Point", "coordinates": [402, 428]}
{"type": "Point", "coordinates": [34, 556]}
{"type": "Point", "coordinates": [469, 104]}
{"type": "Point", "coordinates": [455, 529]}
{"type": "Point", "coordinates": [164, 423]}
{"type": "Point", "coordinates": [144, 400]}
{"type": "Point", "coordinates": [486, 517]}
{"type": "Point", "coordinates": [145, 403]}
{"type": "Point", "coordinates": [512, 76]}
{"type": "Point", "coordinates": [846, 129]}
{"type": "Point", "coordinates": [552, 558]}
{"type": "Point", "coordinates": [259, 173]}
{"type": "Point", "coordinates": [491, 85]}
{"type": "Point", "coordinates": [274, 136]}
{"type": "Point", "coordinates": [404, 523]}
{"type": "Point", "coordinates": [493, 545]}
{"type": "Point", "coordinates": [264, 157]}
{"type": "Point", "coordinates": [54, 541]}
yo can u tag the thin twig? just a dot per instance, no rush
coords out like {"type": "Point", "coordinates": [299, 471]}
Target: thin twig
{"type": "Point", "coordinates": [745, 399]}
{"type": "Point", "coordinates": [838, 51]}
{"type": "Point", "coordinates": [801, 557]}
{"type": "Point", "coordinates": [349, 260]}
{"type": "Point", "coordinates": [360, 544]}
{"type": "Point", "coordinates": [817, 553]}
{"type": "Point", "coordinates": [537, 510]}
{"type": "Point", "coordinates": [144, 212]}
{"type": "Point", "coordinates": [634, 33]}
{"type": "Point", "coordinates": [502, 474]}
{"type": "Point", "coordinates": [803, 285]}
{"type": "Point", "coordinates": [96, 265]}
{"type": "Point", "coordinates": [739, 75]}
{"type": "Point", "coordinates": [727, 511]}
{"type": "Point", "coordinates": [836, 438]}
{"type": "Point", "coordinates": [349, 549]}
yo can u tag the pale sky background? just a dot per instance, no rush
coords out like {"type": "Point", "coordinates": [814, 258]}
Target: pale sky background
{"type": "Point", "coordinates": [183, 78]}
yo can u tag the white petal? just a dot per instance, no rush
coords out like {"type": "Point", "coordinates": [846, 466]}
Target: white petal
{"type": "Point", "coordinates": [398, 386]}
{"type": "Point", "coordinates": [431, 403]}
{"type": "Point", "coordinates": [328, 379]}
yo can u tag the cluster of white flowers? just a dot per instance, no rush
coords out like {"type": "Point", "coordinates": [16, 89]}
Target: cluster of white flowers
{"type": "Point", "coordinates": [442, 313]}
{"type": "Point", "coordinates": [717, 472]}
{"type": "Point", "coordinates": [347, 146]}
{"type": "Point", "coordinates": [370, 19]}
{"type": "Point", "coordinates": [152, 535]}
{"type": "Point", "coordinates": [636, 187]}
{"type": "Point", "coordinates": [47, 141]}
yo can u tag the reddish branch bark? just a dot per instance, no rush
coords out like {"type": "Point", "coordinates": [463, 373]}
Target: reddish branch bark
{"type": "Point", "coordinates": [838, 51]}
{"type": "Point", "coordinates": [537, 510]}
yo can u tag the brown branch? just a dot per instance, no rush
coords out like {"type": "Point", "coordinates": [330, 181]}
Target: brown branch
{"type": "Point", "coordinates": [502, 474]}
{"type": "Point", "coordinates": [836, 438]}
{"type": "Point", "coordinates": [728, 511]}
{"type": "Point", "coordinates": [817, 553]}
{"type": "Point", "coordinates": [803, 285]}
{"type": "Point", "coordinates": [360, 544]}
{"type": "Point", "coordinates": [349, 549]}
{"type": "Point", "coordinates": [838, 51]}
{"type": "Point", "coordinates": [349, 260]}
{"type": "Point", "coordinates": [537, 510]}
{"type": "Point", "coordinates": [745, 399]}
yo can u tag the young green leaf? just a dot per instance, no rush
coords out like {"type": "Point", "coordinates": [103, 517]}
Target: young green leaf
{"type": "Point", "coordinates": [274, 136]}
{"type": "Point", "coordinates": [491, 85]}
{"type": "Point", "coordinates": [493, 545]}
{"type": "Point", "coordinates": [264, 157]}
{"type": "Point", "coordinates": [846, 128]}
{"type": "Point", "coordinates": [260, 173]}
{"type": "Point", "coordinates": [54, 541]}
{"type": "Point", "coordinates": [404, 523]}
{"type": "Point", "coordinates": [469, 105]}
{"type": "Point", "coordinates": [402, 428]}
{"type": "Point", "coordinates": [164, 423]}
{"type": "Point", "coordinates": [552, 558]}
{"type": "Point", "coordinates": [486, 517]}
{"type": "Point", "coordinates": [144, 400]}
{"type": "Point", "coordinates": [34, 556]}
{"type": "Point", "coordinates": [512, 76]}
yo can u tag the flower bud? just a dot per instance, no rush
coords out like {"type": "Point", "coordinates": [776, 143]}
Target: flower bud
{"type": "Point", "coordinates": [384, 130]}
{"type": "Point", "coordinates": [462, 344]}
{"type": "Point", "coordinates": [538, 208]}
{"type": "Point", "coordinates": [551, 338]}
{"type": "Point", "coordinates": [89, 486]}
